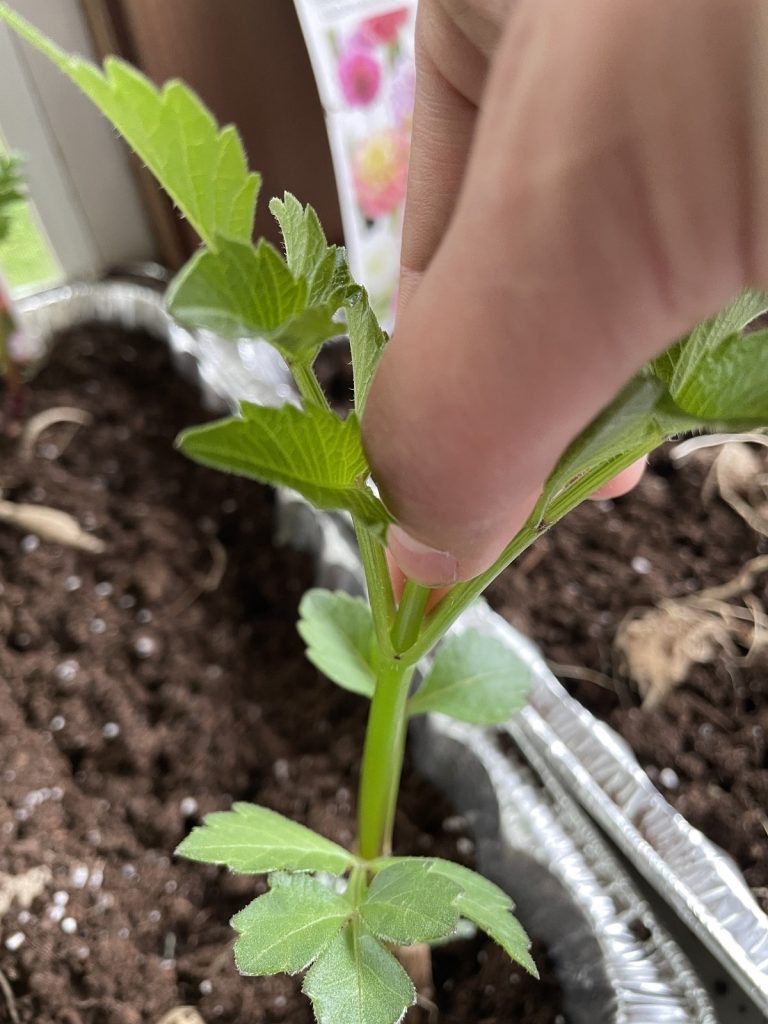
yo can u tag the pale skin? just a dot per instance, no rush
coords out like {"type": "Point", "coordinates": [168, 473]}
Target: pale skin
{"type": "Point", "coordinates": [589, 179]}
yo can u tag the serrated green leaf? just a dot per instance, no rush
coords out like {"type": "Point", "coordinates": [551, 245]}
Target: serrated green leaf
{"type": "Point", "coordinates": [406, 903]}
{"type": "Point", "coordinates": [481, 902]}
{"type": "Point", "coordinates": [202, 168]}
{"type": "Point", "coordinates": [678, 365]}
{"type": "Point", "coordinates": [251, 840]}
{"type": "Point", "coordinates": [356, 981]}
{"type": "Point", "coordinates": [288, 927]}
{"type": "Point", "coordinates": [242, 290]}
{"type": "Point", "coordinates": [323, 266]}
{"type": "Point", "coordinates": [366, 343]}
{"type": "Point", "coordinates": [339, 634]}
{"type": "Point", "coordinates": [474, 678]}
{"type": "Point", "coordinates": [489, 907]}
{"type": "Point", "coordinates": [310, 450]}
{"type": "Point", "coordinates": [730, 382]}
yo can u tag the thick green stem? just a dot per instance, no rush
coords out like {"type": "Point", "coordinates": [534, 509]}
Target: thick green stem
{"type": "Point", "coordinates": [308, 384]}
{"type": "Point", "coordinates": [386, 732]}
{"type": "Point", "coordinates": [383, 759]}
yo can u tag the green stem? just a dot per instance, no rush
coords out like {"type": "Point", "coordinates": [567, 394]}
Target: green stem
{"type": "Point", "coordinates": [383, 759]}
{"type": "Point", "coordinates": [308, 384]}
{"type": "Point", "coordinates": [379, 586]}
{"type": "Point", "coordinates": [386, 732]}
{"type": "Point", "coordinates": [410, 615]}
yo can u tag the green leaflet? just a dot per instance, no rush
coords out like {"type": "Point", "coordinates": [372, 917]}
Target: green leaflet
{"type": "Point", "coordinates": [407, 903]}
{"type": "Point", "coordinates": [338, 631]}
{"type": "Point", "coordinates": [489, 907]}
{"type": "Point", "coordinates": [481, 902]}
{"type": "Point", "coordinates": [366, 342]}
{"type": "Point", "coordinates": [715, 378]}
{"type": "Point", "coordinates": [250, 840]}
{"type": "Point", "coordinates": [240, 290]}
{"type": "Point", "coordinates": [474, 678]}
{"type": "Point", "coordinates": [309, 450]}
{"type": "Point", "coordinates": [356, 981]}
{"type": "Point", "coordinates": [288, 927]}
{"type": "Point", "coordinates": [730, 382]}
{"type": "Point", "coordinates": [308, 255]}
{"type": "Point", "coordinates": [325, 267]}
{"type": "Point", "coordinates": [201, 167]}
{"type": "Point", "coordinates": [678, 365]}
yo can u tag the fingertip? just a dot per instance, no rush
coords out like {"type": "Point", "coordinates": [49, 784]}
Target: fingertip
{"type": "Point", "coordinates": [622, 483]}
{"type": "Point", "coordinates": [420, 562]}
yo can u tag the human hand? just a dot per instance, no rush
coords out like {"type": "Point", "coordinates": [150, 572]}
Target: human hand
{"type": "Point", "coordinates": [587, 181]}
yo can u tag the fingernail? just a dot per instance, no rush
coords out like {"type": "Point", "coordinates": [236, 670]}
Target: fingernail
{"type": "Point", "coordinates": [420, 562]}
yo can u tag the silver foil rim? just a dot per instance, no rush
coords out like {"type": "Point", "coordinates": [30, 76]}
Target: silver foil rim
{"type": "Point", "coordinates": [649, 980]}
{"type": "Point", "coordinates": [698, 879]}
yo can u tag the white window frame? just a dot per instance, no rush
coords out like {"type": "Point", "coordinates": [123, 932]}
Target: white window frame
{"type": "Point", "coordinates": [78, 171]}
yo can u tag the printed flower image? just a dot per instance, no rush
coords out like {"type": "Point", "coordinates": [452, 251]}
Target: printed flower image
{"type": "Point", "coordinates": [384, 27]}
{"type": "Point", "coordinates": [380, 172]}
{"type": "Point", "coordinates": [359, 75]}
{"type": "Point", "coordinates": [402, 91]}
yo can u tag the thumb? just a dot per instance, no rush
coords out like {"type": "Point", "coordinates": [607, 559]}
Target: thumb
{"type": "Point", "coordinates": [605, 209]}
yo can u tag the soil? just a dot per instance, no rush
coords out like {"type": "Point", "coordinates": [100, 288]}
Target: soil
{"type": "Point", "coordinates": [706, 746]}
{"type": "Point", "coordinates": [144, 687]}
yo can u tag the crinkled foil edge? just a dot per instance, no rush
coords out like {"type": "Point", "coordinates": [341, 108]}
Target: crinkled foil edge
{"type": "Point", "coordinates": [529, 818]}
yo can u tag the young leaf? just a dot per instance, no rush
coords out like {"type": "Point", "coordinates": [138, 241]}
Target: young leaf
{"type": "Point", "coordinates": [474, 678]}
{"type": "Point", "coordinates": [366, 343]}
{"type": "Point", "coordinates": [730, 382]}
{"type": "Point", "coordinates": [356, 981]}
{"type": "Point", "coordinates": [309, 450]}
{"type": "Point", "coordinates": [338, 631]}
{"type": "Point", "coordinates": [288, 927]}
{"type": "Point", "coordinates": [489, 908]}
{"type": "Point", "coordinates": [679, 364]}
{"type": "Point", "coordinates": [202, 168]}
{"type": "Point", "coordinates": [406, 903]}
{"type": "Point", "coordinates": [242, 290]}
{"type": "Point", "coordinates": [250, 840]}
{"type": "Point", "coordinates": [324, 267]}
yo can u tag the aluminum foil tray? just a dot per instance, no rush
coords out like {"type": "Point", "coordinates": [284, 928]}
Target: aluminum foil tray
{"type": "Point", "coordinates": [531, 835]}
{"type": "Point", "coordinates": [699, 880]}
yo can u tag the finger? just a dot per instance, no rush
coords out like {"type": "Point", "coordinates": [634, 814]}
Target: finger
{"type": "Point", "coordinates": [603, 212]}
{"type": "Point", "coordinates": [444, 115]}
{"type": "Point", "coordinates": [622, 483]}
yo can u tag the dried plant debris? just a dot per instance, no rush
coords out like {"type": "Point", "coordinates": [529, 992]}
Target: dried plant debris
{"type": "Point", "coordinates": [50, 524]}
{"type": "Point", "coordinates": [38, 424]}
{"type": "Point", "coordinates": [660, 645]}
{"type": "Point", "coordinates": [181, 1015]}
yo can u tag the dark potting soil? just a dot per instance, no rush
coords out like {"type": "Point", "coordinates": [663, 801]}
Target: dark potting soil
{"type": "Point", "coordinates": [144, 687]}
{"type": "Point", "coordinates": [706, 745]}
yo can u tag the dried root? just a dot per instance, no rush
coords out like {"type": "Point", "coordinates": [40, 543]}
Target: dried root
{"type": "Point", "coordinates": [49, 418]}
{"type": "Point", "coordinates": [50, 524]}
{"type": "Point", "coordinates": [660, 645]}
{"type": "Point", "coordinates": [10, 1001]}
